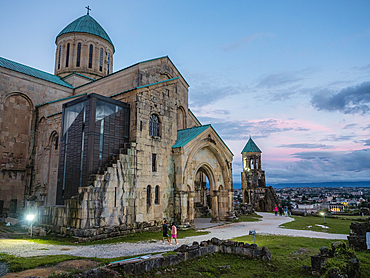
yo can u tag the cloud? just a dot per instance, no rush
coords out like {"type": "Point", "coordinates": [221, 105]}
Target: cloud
{"type": "Point", "coordinates": [365, 68]}
{"type": "Point", "coordinates": [306, 146]}
{"type": "Point", "coordinates": [279, 79]}
{"type": "Point", "coordinates": [355, 161]}
{"type": "Point", "coordinates": [242, 130]}
{"type": "Point", "coordinates": [338, 138]}
{"type": "Point", "coordinates": [221, 111]}
{"type": "Point", "coordinates": [367, 127]}
{"type": "Point", "coordinates": [240, 43]}
{"type": "Point", "coordinates": [350, 126]}
{"type": "Point", "coordinates": [367, 142]}
{"type": "Point", "coordinates": [350, 100]}
{"type": "Point", "coordinates": [320, 166]}
{"type": "Point", "coordinates": [207, 94]}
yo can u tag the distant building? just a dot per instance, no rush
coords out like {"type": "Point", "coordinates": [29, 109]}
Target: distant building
{"type": "Point", "coordinates": [254, 188]}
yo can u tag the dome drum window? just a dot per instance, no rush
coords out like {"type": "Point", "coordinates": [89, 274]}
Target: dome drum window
{"type": "Point", "coordinates": [67, 56]}
{"type": "Point", "coordinates": [101, 60]}
{"type": "Point", "coordinates": [59, 54]}
{"type": "Point", "coordinates": [91, 55]}
{"type": "Point", "coordinates": [78, 60]}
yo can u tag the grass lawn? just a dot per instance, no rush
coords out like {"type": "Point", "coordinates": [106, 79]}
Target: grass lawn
{"type": "Point", "coordinates": [336, 226]}
{"type": "Point", "coordinates": [249, 218]}
{"type": "Point", "coordinates": [286, 260]}
{"type": "Point", "coordinates": [17, 264]}
{"type": "Point", "coordinates": [132, 238]}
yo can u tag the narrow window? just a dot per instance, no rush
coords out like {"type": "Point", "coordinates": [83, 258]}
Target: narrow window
{"type": "Point", "coordinates": [154, 125]}
{"type": "Point", "coordinates": [115, 197]}
{"type": "Point", "coordinates": [101, 60]}
{"type": "Point", "coordinates": [108, 63]}
{"type": "Point", "coordinates": [56, 140]}
{"type": "Point", "coordinates": [148, 196]}
{"type": "Point", "coordinates": [78, 55]}
{"type": "Point", "coordinates": [141, 125]}
{"type": "Point", "coordinates": [60, 52]}
{"type": "Point", "coordinates": [156, 199]}
{"type": "Point", "coordinates": [154, 162]}
{"type": "Point", "coordinates": [67, 56]}
{"type": "Point", "coordinates": [90, 56]}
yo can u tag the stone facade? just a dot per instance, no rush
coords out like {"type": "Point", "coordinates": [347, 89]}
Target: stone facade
{"type": "Point", "coordinates": [151, 178]}
{"type": "Point", "coordinates": [255, 191]}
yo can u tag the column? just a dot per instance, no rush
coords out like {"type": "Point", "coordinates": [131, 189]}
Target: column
{"type": "Point", "coordinates": [184, 208]}
{"type": "Point", "coordinates": [191, 196]}
{"type": "Point", "coordinates": [231, 202]}
{"type": "Point", "coordinates": [215, 206]}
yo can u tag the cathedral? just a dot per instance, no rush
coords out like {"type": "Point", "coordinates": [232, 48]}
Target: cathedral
{"type": "Point", "coordinates": [92, 150]}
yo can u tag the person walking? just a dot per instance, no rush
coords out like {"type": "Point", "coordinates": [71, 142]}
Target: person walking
{"type": "Point", "coordinates": [286, 211]}
{"type": "Point", "coordinates": [165, 231]}
{"type": "Point", "coordinates": [173, 233]}
{"type": "Point", "coordinates": [280, 210]}
{"type": "Point", "coordinates": [276, 210]}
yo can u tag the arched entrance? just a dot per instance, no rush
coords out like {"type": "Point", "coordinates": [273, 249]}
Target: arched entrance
{"type": "Point", "coordinates": [203, 198]}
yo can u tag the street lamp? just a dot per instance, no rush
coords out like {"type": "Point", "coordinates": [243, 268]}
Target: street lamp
{"type": "Point", "coordinates": [323, 214]}
{"type": "Point", "coordinates": [30, 217]}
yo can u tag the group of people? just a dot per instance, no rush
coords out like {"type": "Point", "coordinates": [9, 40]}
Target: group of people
{"type": "Point", "coordinates": [173, 233]}
{"type": "Point", "coordinates": [287, 210]}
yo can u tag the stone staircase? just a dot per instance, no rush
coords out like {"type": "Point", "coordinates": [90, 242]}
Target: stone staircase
{"type": "Point", "coordinates": [114, 157]}
{"type": "Point", "coordinates": [201, 211]}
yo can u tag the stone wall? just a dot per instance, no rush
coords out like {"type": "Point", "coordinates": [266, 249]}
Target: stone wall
{"type": "Point", "coordinates": [196, 250]}
{"type": "Point", "coordinates": [108, 205]}
{"type": "Point", "coordinates": [357, 237]}
{"type": "Point", "coordinates": [20, 94]}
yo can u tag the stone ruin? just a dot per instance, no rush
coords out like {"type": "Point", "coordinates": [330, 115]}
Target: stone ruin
{"type": "Point", "coordinates": [337, 261]}
{"type": "Point", "coordinates": [243, 209]}
{"type": "Point", "coordinates": [357, 236]}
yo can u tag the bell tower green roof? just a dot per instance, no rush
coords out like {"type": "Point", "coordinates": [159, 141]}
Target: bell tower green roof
{"type": "Point", "coordinates": [86, 24]}
{"type": "Point", "coordinates": [251, 147]}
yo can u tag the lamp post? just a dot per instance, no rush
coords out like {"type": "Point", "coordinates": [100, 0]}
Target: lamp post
{"type": "Point", "coordinates": [30, 217]}
{"type": "Point", "coordinates": [323, 214]}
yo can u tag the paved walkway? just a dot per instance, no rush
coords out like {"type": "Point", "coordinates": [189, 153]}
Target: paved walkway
{"type": "Point", "coordinates": [268, 226]}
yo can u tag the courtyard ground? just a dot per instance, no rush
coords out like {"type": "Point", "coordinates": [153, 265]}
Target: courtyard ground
{"type": "Point", "coordinates": [269, 225]}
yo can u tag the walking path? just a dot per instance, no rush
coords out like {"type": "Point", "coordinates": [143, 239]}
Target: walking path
{"type": "Point", "coordinates": [268, 226]}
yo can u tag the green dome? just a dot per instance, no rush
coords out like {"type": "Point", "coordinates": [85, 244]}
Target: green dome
{"type": "Point", "coordinates": [86, 24]}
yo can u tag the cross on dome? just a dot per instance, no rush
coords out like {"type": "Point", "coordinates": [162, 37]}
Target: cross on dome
{"type": "Point", "coordinates": [88, 9]}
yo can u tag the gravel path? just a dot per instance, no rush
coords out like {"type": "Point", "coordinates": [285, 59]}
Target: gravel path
{"type": "Point", "coordinates": [268, 226]}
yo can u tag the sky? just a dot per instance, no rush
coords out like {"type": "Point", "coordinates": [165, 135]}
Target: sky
{"type": "Point", "coordinates": [293, 75]}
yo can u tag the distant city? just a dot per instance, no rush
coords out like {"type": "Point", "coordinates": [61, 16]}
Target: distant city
{"type": "Point", "coordinates": [238, 185]}
{"type": "Point", "coordinates": [315, 198]}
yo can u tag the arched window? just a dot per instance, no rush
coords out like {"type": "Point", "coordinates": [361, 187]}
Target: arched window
{"type": "Point", "coordinates": [67, 56]}
{"type": "Point", "coordinates": [148, 196]}
{"type": "Point", "coordinates": [154, 125]}
{"type": "Point", "coordinates": [55, 141]}
{"type": "Point", "coordinates": [156, 199]}
{"type": "Point", "coordinates": [91, 56]}
{"type": "Point", "coordinates": [180, 118]}
{"type": "Point", "coordinates": [101, 60]}
{"type": "Point", "coordinates": [78, 55]}
{"type": "Point", "coordinates": [60, 52]}
{"type": "Point", "coordinates": [108, 63]}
